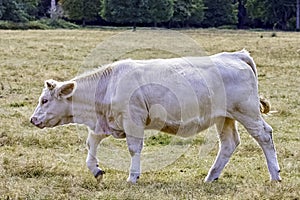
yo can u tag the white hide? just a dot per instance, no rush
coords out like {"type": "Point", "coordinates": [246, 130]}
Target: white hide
{"type": "Point", "coordinates": [180, 96]}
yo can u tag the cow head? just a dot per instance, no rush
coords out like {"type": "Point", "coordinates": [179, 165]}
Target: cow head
{"type": "Point", "coordinates": [55, 104]}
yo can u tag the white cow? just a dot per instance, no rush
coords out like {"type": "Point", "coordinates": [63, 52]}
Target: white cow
{"type": "Point", "coordinates": [181, 96]}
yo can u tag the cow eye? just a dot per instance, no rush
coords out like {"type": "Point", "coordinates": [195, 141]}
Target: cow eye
{"type": "Point", "coordinates": [44, 101]}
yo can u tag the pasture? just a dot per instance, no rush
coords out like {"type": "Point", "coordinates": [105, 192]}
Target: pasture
{"type": "Point", "coordinates": [50, 163]}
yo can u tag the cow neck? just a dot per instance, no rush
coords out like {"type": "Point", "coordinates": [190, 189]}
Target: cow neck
{"type": "Point", "coordinates": [83, 106]}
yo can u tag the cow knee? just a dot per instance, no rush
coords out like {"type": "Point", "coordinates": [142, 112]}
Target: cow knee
{"type": "Point", "coordinates": [268, 129]}
{"type": "Point", "coordinates": [134, 149]}
{"type": "Point", "coordinates": [264, 137]}
{"type": "Point", "coordinates": [135, 145]}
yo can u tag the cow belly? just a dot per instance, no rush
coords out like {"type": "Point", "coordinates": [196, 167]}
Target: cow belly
{"type": "Point", "coordinates": [181, 128]}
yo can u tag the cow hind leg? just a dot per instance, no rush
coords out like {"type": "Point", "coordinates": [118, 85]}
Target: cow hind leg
{"type": "Point", "coordinates": [229, 140]}
{"type": "Point", "coordinates": [93, 141]}
{"type": "Point", "coordinates": [262, 133]}
{"type": "Point", "coordinates": [265, 140]}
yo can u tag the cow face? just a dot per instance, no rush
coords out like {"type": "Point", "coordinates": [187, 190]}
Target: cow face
{"type": "Point", "coordinates": [55, 104]}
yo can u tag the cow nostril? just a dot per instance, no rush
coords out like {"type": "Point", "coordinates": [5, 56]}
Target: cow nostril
{"type": "Point", "coordinates": [33, 120]}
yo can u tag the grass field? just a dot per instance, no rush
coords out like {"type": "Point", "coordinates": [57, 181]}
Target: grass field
{"type": "Point", "coordinates": [50, 163]}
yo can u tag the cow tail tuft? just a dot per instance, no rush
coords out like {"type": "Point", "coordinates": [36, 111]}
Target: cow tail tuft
{"type": "Point", "coordinates": [264, 106]}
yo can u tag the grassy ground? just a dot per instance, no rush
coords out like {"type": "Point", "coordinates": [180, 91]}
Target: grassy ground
{"type": "Point", "coordinates": [50, 163]}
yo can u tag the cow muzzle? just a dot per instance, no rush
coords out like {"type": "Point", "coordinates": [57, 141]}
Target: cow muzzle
{"type": "Point", "coordinates": [36, 122]}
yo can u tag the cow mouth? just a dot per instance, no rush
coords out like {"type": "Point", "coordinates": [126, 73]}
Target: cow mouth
{"type": "Point", "coordinates": [35, 122]}
{"type": "Point", "coordinates": [49, 123]}
{"type": "Point", "coordinates": [40, 125]}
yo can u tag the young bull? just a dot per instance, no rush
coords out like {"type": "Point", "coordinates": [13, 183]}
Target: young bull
{"type": "Point", "coordinates": [181, 96]}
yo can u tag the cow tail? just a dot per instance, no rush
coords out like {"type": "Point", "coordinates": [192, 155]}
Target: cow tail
{"type": "Point", "coordinates": [245, 56]}
{"type": "Point", "coordinates": [264, 106]}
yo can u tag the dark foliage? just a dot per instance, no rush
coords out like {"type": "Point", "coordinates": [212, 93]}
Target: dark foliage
{"type": "Point", "coordinates": [272, 14]}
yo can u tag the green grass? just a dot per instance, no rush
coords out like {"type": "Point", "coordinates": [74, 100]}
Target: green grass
{"type": "Point", "coordinates": [50, 163]}
{"type": "Point", "coordinates": [43, 24]}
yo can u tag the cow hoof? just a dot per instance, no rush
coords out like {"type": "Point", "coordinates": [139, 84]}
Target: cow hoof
{"type": "Point", "coordinates": [99, 175]}
{"type": "Point", "coordinates": [133, 178]}
{"type": "Point", "coordinates": [210, 180]}
{"type": "Point", "coordinates": [276, 180]}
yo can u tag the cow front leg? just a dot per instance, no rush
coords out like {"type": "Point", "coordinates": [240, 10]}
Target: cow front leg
{"type": "Point", "coordinates": [229, 140]}
{"type": "Point", "coordinates": [93, 141]}
{"type": "Point", "coordinates": [135, 146]}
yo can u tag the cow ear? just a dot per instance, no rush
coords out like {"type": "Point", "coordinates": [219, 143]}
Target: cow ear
{"type": "Point", "coordinates": [50, 84]}
{"type": "Point", "coordinates": [66, 90]}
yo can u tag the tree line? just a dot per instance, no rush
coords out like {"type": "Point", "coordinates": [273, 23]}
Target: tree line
{"type": "Point", "coordinates": [279, 14]}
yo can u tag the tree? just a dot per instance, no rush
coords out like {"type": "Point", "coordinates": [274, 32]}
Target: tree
{"type": "Point", "coordinates": [197, 12]}
{"type": "Point", "coordinates": [30, 7]}
{"type": "Point", "coordinates": [218, 13]}
{"type": "Point", "coordinates": [83, 10]}
{"type": "Point", "coordinates": [52, 9]}
{"type": "Point", "coordinates": [188, 12]}
{"type": "Point", "coordinates": [242, 14]}
{"type": "Point", "coordinates": [2, 9]}
{"type": "Point", "coordinates": [283, 11]}
{"type": "Point", "coordinates": [137, 11]}
{"type": "Point", "coordinates": [274, 13]}
{"type": "Point", "coordinates": [160, 10]}
{"type": "Point", "coordinates": [298, 16]}
{"type": "Point", "coordinates": [49, 8]}
{"type": "Point", "coordinates": [257, 12]}
{"type": "Point", "coordinates": [181, 11]}
{"type": "Point", "coordinates": [43, 8]}
{"type": "Point", "coordinates": [13, 10]}
{"type": "Point", "coordinates": [131, 11]}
